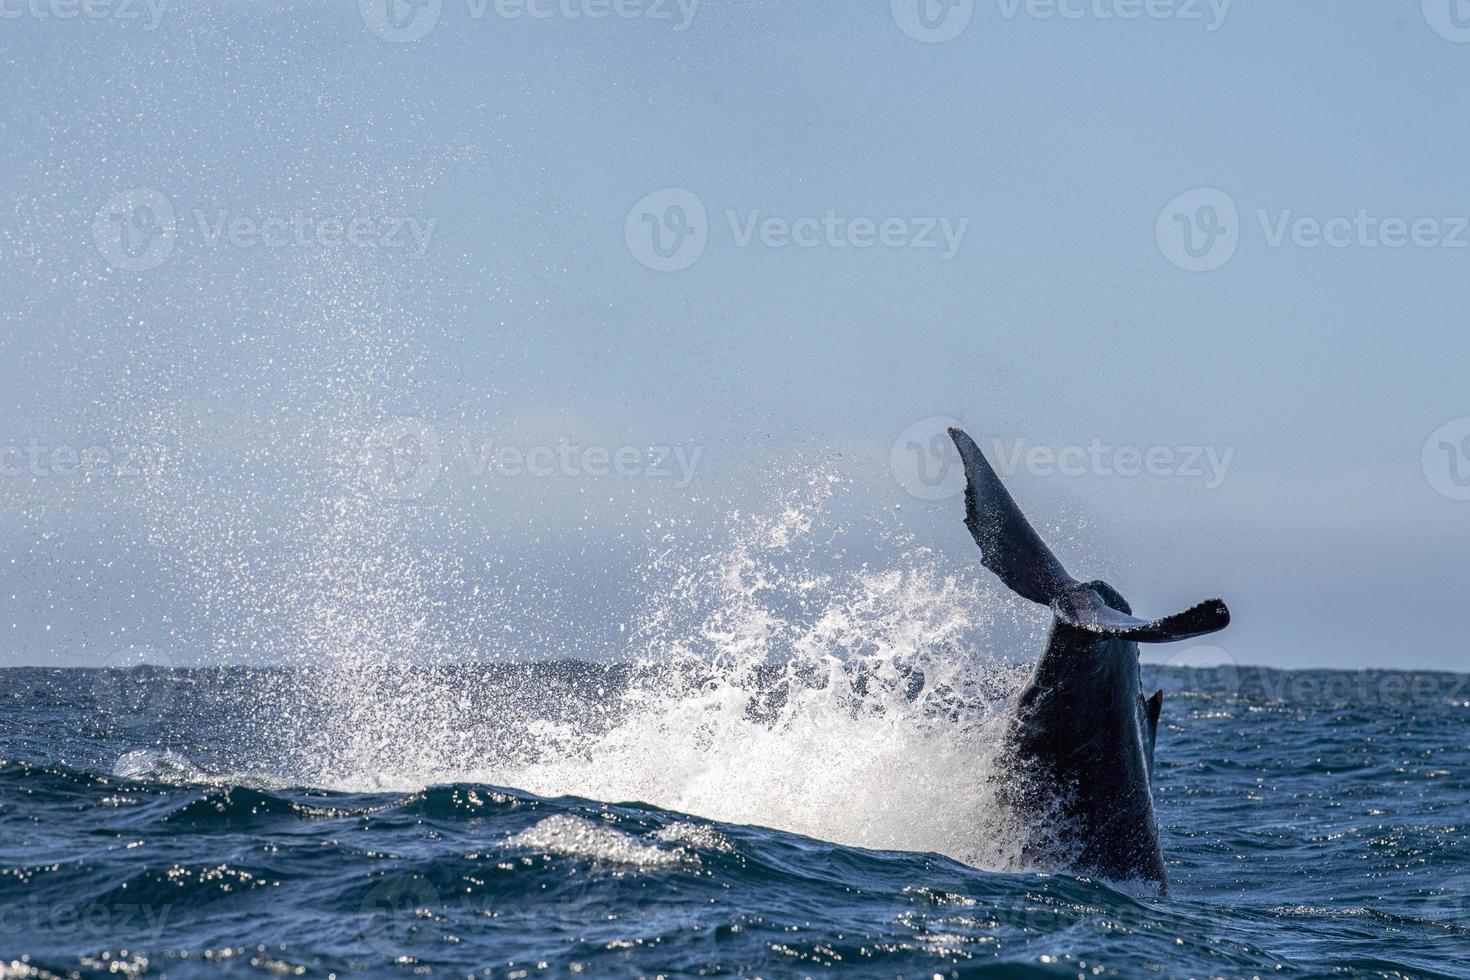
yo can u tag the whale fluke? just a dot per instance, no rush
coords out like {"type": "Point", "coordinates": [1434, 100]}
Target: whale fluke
{"type": "Point", "coordinates": [1083, 608]}
{"type": "Point", "coordinates": [1011, 548]}
{"type": "Point", "coordinates": [1009, 545]}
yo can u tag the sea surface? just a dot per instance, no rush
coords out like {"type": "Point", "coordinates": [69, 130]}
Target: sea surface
{"type": "Point", "coordinates": [173, 822]}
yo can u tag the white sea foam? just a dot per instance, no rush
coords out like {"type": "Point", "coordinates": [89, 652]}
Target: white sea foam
{"type": "Point", "coordinates": [579, 837]}
{"type": "Point", "coordinates": [159, 764]}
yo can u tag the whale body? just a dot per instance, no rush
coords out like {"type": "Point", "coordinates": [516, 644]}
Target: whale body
{"type": "Point", "coordinates": [1080, 736]}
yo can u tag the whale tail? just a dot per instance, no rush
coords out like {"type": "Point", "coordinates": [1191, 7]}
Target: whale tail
{"type": "Point", "coordinates": [1011, 548]}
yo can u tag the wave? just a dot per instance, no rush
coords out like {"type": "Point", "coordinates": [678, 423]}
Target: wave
{"type": "Point", "coordinates": [419, 873]}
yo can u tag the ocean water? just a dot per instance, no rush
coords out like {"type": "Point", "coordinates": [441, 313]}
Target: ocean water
{"type": "Point", "coordinates": [354, 758]}
{"type": "Point", "coordinates": [698, 820]}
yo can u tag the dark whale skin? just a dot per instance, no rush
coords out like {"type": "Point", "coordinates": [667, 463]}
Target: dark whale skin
{"type": "Point", "coordinates": [1078, 753]}
{"type": "Point", "coordinates": [1079, 743]}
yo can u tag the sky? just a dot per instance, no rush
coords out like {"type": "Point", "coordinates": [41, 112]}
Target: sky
{"type": "Point", "coordinates": [618, 275]}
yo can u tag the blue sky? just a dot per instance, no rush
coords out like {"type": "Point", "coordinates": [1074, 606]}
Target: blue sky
{"type": "Point", "coordinates": [498, 171]}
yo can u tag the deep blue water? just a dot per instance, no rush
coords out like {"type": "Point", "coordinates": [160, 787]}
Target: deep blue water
{"type": "Point", "coordinates": [1314, 825]}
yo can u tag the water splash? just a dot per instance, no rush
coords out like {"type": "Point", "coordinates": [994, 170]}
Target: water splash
{"type": "Point", "coordinates": [852, 705]}
{"type": "Point", "coordinates": [763, 684]}
{"type": "Point", "coordinates": [781, 666]}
